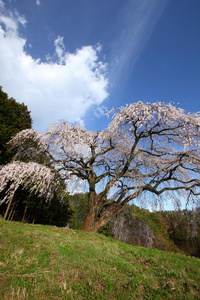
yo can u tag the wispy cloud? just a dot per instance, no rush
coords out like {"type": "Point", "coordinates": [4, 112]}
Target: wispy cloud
{"type": "Point", "coordinates": [1, 3]}
{"type": "Point", "coordinates": [38, 2]}
{"type": "Point", "coordinates": [64, 86]}
{"type": "Point", "coordinates": [135, 25]}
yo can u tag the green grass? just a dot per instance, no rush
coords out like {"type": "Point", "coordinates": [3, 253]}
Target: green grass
{"type": "Point", "coordinates": [44, 262]}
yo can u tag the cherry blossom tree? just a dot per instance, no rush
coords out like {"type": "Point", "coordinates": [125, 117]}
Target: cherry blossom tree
{"type": "Point", "coordinates": [35, 177]}
{"type": "Point", "coordinates": [146, 147]}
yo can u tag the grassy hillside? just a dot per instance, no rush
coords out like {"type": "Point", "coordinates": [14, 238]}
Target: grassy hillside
{"type": "Point", "coordinates": [44, 262]}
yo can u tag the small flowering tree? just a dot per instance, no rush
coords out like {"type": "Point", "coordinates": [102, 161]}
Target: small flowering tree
{"type": "Point", "coordinates": [146, 147]}
{"type": "Point", "coordinates": [35, 177]}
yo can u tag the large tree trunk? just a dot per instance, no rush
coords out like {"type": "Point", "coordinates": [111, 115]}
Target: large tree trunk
{"type": "Point", "coordinates": [94, 204]}
{"type": "Point", "coordinates": [96, 220]}
{"type": "Point", "coordinates": [90, 222]}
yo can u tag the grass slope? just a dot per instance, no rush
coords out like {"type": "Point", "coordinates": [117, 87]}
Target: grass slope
{"type": "Point", "coordinates": [44, 262]}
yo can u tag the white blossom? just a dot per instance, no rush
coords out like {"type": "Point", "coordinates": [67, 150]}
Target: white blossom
{"type": "Point", "coordinates": [36, 178]}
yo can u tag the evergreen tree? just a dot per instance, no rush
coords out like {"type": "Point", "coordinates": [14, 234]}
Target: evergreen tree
{"type": "Point", "coordinates": [79, 203]}
{"type": "Point", "coordinates": [14, 117]}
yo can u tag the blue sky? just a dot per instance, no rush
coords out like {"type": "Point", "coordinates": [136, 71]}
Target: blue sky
{"type": "Point", "coordinates": [74, 59]}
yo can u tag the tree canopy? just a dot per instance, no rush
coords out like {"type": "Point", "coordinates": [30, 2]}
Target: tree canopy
{"type": "Point", "coordinates": [147, 147]}
{"type": "Point", "coordinates": [14, 117]}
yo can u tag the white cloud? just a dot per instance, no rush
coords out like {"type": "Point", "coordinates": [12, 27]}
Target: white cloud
{"type": "Point", "coordinates": [1, 3]}
{"type": "Point", "coordinates": [11, 21]}
{"type": "Point", "coordinates": [38, 2]}
{"type": "Point", "coordinates": [10, 24]}
{"type": "Point", "coordinates": [135, 25]}
{"type": "Point", "coordinates": [52, 90]}
{"type": "Point", "coordinates": [60, 49]}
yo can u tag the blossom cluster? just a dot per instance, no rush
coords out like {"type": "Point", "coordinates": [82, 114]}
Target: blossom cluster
{"type": "Point", "coordinates": [36, 178]}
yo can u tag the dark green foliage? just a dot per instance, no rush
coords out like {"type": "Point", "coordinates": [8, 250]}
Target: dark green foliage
{"type": "Point", "coordinates": [29, 208]}
{"type": "Point", "coordinates": [55, 213]}
{"type": "Point", "coordinates": [106, 230]}
{"type": "Point", "coordinates": [79, 203]}
{"type": "Point", "coordinates": [14, 117]}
